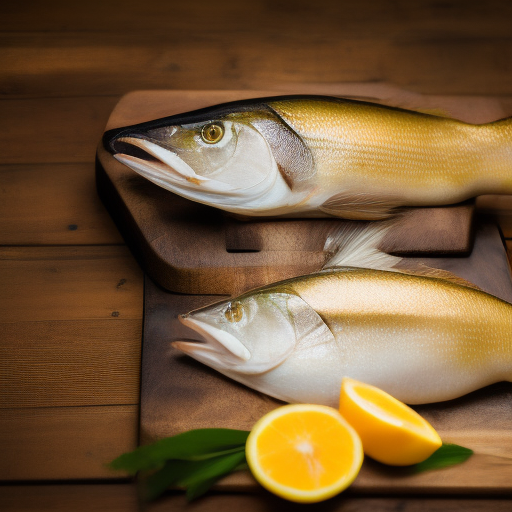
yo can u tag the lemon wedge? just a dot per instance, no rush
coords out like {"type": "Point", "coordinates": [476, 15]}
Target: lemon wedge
{"type": "Point", "coordinates": [391, 431]}
{"type": "Point", "coordinates": [304, 453]}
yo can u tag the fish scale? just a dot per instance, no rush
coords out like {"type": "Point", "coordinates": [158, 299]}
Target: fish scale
{"type": "Point", "coordinates": [408, 149]}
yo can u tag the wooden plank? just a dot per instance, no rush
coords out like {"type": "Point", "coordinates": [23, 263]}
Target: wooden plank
{"type": "Point", "coordinates": [71, 321]}
{"type": "Point", "coordinates": [90, 64]}
{"type": "Point", "coordinates": [52, 130]}
{"type": "Point", "coordinates": [69, 283]}
{"type": "Point", "coordinates": [118, 497]}
{"type": "Point", "coordinates": [65, 442]}
{"type": "Point", "coordinates": [432, 47]}
{"type": "Point", "coordinates": [65, 363]}
{"type": "Point", "coordinates": [450, 64]}
{"type": "Point", "coordinates": [123, 498]}
{"type": "Point", "coordinates": [363, 17]}
{"type": "Point", "coordinates": [346, 502]}
{"type": "Point", "coordinates": [52, 205]}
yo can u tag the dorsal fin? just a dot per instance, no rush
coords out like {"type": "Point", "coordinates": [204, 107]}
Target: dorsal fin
{"type": "Point", "coordinates": [356, 244]}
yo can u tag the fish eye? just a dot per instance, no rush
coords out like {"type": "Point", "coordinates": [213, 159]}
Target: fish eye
{"type": "Point", "coordinates": [234, 312]}
{"type": "Point", "coordinates": [212, 133]}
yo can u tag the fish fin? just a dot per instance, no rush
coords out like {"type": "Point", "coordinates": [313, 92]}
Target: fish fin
{"type": "Point", "coordinates": [420, 269]}
{"type": "Point", "coordinates": [360, 206]}
{"type": "Point", "coordinates": [357, 245]}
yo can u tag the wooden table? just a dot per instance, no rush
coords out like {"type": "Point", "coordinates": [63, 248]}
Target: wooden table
{"type": "Point", "coordinates": [71, 293]}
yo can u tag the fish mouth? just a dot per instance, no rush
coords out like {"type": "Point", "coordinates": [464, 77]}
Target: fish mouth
{"type": "Point", "coordinates": [218, 348]}
{"type": "Point", "coordinates": [162, 166]}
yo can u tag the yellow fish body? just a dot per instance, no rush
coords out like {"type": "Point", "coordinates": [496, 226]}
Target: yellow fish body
{"type": "Point", "coordinates": [318, 156]}
{"type": "Point", "coordinates": [421, 339]}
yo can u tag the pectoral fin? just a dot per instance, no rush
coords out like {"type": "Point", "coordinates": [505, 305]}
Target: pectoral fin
{"type": "Point", "coordinates": [360, 206]}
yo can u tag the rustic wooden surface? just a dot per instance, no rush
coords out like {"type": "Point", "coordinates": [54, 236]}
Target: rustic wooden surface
{"type": "Point", "coordinates": [71, 301]}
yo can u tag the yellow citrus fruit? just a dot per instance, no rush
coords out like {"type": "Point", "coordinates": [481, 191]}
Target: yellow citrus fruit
{"type": "Point", "coordinates": [391, 431]}
{"type": "Point", "coordinates": [304, 453]}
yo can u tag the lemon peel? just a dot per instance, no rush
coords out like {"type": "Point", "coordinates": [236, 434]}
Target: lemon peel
{"type": "Point", "coordinates": [391, 432]}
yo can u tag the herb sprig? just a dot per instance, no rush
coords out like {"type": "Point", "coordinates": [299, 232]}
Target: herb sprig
{"type": "Point", "coordinates": [197, 459]}
{"type": "Point", "coordinates": [194, 460]}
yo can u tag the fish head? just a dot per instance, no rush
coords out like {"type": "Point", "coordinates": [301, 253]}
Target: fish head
{"type": "Point", "coordinates": [251, 334]}
{"type": "Point", "coordinates": [236, 156]}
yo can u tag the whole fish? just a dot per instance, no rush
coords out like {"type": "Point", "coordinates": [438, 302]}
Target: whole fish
{"type": "Point", "coordinates": [422, 338]}
{"type": "Point", "coordinates": [314, 156]}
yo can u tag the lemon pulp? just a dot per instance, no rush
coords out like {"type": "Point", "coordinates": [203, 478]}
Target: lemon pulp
{"type": "Point", "coordinates": [304, 453]}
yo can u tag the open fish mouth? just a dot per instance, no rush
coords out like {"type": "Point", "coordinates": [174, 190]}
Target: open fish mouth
{"type": "Point", "coordinates": [218, 348]}
{"type": "Point", "coordinates": [163, 167]}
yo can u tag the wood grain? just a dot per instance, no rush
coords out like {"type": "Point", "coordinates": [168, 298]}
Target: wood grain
{"type": "Point", "coordinates": [69, 283]}
{"type": "Point", "coordinates": [65, 442]}
{"type": "Point", "coordinates": [364, 17]}
{"type": "Point", "coordinates": [57, 130]}
{"type": "Point", "coordinates": [346, 502]}
{"type": "Point", "coordinates": [53, 204]}
{"type": "Point", "coordinates": [71, 321]}
{"type": "Point", "coordinates": [123, 498]}
{"type": "Point", "coordinates": [66, 363]}
{"type": "Point", "coordinates": [112, 497]}
{"type": "Point", "coordinates": [432, 47]}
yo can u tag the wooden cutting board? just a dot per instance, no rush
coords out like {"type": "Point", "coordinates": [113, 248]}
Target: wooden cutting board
{"type": "Point", "coordinates": [179, 394]}
{"type": "Point", "coordinates": [193, 253]}
{"type": "Point", "coordinates": [187, 247]}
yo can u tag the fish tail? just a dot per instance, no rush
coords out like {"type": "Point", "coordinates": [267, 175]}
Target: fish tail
{"type": "Point", "coordinates": [357, 245]}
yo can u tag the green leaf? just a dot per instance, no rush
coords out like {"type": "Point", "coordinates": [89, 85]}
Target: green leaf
{"type": "Point", "coordinates": [155, 484]}
{"type": "Point", "coordinates": [192, 445]}
{"type": "Point", "coordinates": [198, 483]}
{"type": "Point", "coordinates": [198, 489]}
{"type": "Point", "coordinates": [211, 468]}
{"type": "Point", "coordinates": [196, 476]}
{"type": "Point", "coordinates": [447, 455]}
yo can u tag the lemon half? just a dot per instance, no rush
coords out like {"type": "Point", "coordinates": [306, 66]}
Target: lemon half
{"type": "Point", "coordinates": [304, 453]}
